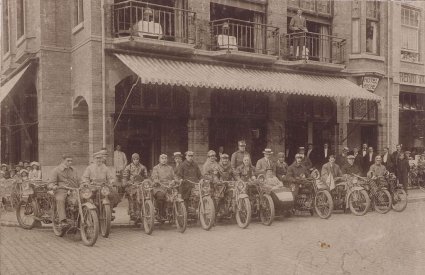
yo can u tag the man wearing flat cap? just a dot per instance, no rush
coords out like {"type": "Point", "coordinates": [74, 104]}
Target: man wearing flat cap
{"type": "Point", "coordinates": [178, 159]}
{"type": "Point", "coordinates": [225, 170]}
{"type": "Point", "coordinates": [189, 173]}
{"type": "Point", "coordinates": [237, 157]}
{"type": "Point", "coordinates": [161, 173]}
{"type": "Point", "coordinates": [297, 170]}
{"type": "Point", "coordinates": [265, 163]}
{"type": "Point", "coordinates": [135, 168]}
{"type": "Point", "coordinates": [210, 167]}
{"type": "Point", "coordinates": [281, 166]}
{"type": "Point", "coordinates": [350, 167]}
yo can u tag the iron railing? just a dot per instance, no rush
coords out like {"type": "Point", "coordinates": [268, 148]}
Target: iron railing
{"type": "Point", "coordinates": [235, 34]}
{"type": "Point", "coordinates": [135, 18]}
{"type": "Point", "coordinates": [313, 46]}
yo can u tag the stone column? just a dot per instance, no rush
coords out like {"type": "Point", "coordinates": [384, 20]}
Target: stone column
{"type": "Point", "coordinates": [276, 122]}
{"type": "Point", "coordinates": [342, 109]}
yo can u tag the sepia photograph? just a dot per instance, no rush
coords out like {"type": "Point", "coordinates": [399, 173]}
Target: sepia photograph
{"type": "Point", "coordinates": [212, 137]}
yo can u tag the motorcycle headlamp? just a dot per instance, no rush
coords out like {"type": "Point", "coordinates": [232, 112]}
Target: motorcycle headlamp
{"type": "Point", "coordinates": [241, 186]}
{"type": "Point", "coordinates": [86, 193]}
{"type": "Point", "coordinates": [105, 191]}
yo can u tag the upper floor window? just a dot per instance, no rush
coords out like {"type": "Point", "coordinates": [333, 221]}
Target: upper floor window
{"type": "Point", "coordinates": [372, 27]}
{"type": "Point", "coordinates": [6, 44]}
{"type": "Point", "coordinates": [320, 6]}
{"type": "Point", "coordinates": [20, 18]}
{"type": "Point", "coordinates": [410, 19]}
{"type": "Point", "coordinates": [78, 12]}
{"type": "Point", "coordinates": [372, 9]}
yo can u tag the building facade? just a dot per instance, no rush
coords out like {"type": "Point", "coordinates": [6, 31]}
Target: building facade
{"type": "Point", "coordinates": [172, 75]}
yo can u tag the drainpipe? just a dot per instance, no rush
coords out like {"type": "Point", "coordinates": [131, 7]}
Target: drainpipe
{"type": "Point", "coordinates": [102, 10]}
{"type": "Point", "coordinates": [389, 94]}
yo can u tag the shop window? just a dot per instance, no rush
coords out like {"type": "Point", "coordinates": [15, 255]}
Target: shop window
{"type": "Point", "coordinates": [410, 20]}
{"type": "Point", "coordinates": [412, 101]}
{"type": "Point", "coordinates": [78, 12]}
{"type": "Point", "coordinates": [20, 18]}
{"type": "Point", "coordinates": [6, 42]}
{"type": "Point", "coordinates": [363, 110]}
{"type": "Point", "coordinates": [225, 103]}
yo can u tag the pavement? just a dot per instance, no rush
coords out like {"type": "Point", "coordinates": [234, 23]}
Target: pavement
{"type": "Point", "coordinates": [122, 219]}
{"type": "Point", "coordinates": [391, 243]}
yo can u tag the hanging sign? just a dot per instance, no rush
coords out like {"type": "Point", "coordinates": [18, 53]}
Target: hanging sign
{"type": "Point", "coordinates": [370, 83]}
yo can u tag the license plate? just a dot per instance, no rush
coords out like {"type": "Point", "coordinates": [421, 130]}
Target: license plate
{"type": "Point", "coordinates": [285, 196]}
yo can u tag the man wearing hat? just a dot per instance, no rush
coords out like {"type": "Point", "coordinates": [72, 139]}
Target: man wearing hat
{"type": "Point", "coordinates": [225, 170]}
{"type": "Point", "coordinates": [305, 161]}
{"type": "Point", "coordinates": [369, 159]}
{"type": "Point", "coordinates": [135, 168]}
{"type": "Point", "coordinates": [210, 167]}
{"type": "Point", "coordinates": [266, 162]}
{"type": "Point", "coordinates": [281, 166]}
{"type": "Point", "coordinates": [35, 173]}
{"type": "Point", "coordinates": [377, 169]}
{"type": "Point", "coordinates": [341, 159]}
{"type": "Point", "coordinates": [297, 170]}
{"type": "Point", "coordinates": [161, 173]}
{"type": "Point", "coordinates": [188, 172]}
{"type": "Point", "coordinates": [63, 175]}
{"type": "Point", "coordinates": [350, 167]}
{"type": "Point", "coordinates": [237, 157]}
{"type": "Point", "coordinates": [178, 159]}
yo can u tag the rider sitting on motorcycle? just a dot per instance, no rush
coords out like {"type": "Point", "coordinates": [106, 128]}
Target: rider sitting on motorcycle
{"type": "Point", "coordinates": [245, 171]}
{"type": "Point", "coordinates": [210, 167]}
{"type": "Point", "coordinates": [350, 167]}
{"type": "Point", "coordinates": [225, 169]}
{"type": "Point", "coordinates": [297, 171]}
{"type": "Point", "coordinates": [63, 176]}
{"type": "Point", "coordinates": [331, 172]}
{"type": "Point", "coordinates": [188, 172]}
{"type": "Point", "coordinates": [377, 169]}
{"type": "Point", "coordinates": [135, 168]}
{"type": "Point", "coordinates": [281, 166]}
{"type": "Point", "coordinates": [99, 172]}
{"type": "Point", "coordinates": [161, 173]}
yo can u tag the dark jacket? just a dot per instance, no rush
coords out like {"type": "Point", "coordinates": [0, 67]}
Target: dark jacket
{"type": "Point", "coordinates": [351, 169]}
{"type": "Point", "coordinates": [367, 162]}
{"type": "Point", "coordinates": [403, 169]}
{"type": "Point", "coordinates": [188, 171]}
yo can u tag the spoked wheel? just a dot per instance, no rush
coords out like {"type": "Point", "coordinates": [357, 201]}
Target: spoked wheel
{"type": "Point", "coordinates": [323, 204]}
{"type": "Point", "coordinates": [148, 217]}
{"type": "Point", "coordinates": [382, 201]}
{"type": "Point", "coordinates": [399, 200]}
{"type": "Point", "coordinates": [243, 212]}
{"type": "Point", "coordinates": [359, 202]}
{"type": "Point", "coordinates": [25, 214]}
{"type": "Point", "coordinates": [180, 215]}
{"type": "Point", "coordinates": [105, 220]}
{"type": "Point", "coordinates": [267, 210]}
{"type": "Point", "coordinates": [207, 213]}
{"type": "Point", "coordinates": [57, 228]}
{"type": "Point", "coordinates": [89, 226]}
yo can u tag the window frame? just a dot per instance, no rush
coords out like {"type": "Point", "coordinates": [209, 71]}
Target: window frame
{"type": "Point", "coordinates": [78, 13]}
{"type": "Point", "coordinates": [5, 9]}
{"type": "Point", "coordinates": [21, 38]}
{"type": "Point", "coordinates": [411, 10]}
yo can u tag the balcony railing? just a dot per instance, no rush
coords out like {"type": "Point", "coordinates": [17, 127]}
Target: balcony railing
{"type": "Point", "coordinates": [314, 46]}
{"type": "Point", "coordinates": [239, 35]}
{"type": "Point", "coordinates": [135, 18]}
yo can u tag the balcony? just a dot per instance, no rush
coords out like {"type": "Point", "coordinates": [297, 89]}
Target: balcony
{"type": "Point", "coordinates": [238, 40]}
{"type": "Point", "coordinates": [314, 51]}
{"type": "Point", "coordinates": [139, 25]}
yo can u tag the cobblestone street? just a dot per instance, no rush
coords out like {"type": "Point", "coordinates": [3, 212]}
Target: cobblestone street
{"type": "Point", "coordinates": [344, 244]}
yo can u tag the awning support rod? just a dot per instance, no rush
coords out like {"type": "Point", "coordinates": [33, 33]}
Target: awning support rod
{"type": "Point", "coordinates": [125, 102]}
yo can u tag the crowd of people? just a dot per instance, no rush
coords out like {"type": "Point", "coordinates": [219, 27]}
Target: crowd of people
{"type": "Point", "coordinates": [22, 170]}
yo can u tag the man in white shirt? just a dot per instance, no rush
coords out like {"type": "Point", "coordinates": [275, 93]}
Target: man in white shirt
{"type": "Point", "coordinates": [120, 162]}
{"type": "Point", "coordinates": [364, 149]}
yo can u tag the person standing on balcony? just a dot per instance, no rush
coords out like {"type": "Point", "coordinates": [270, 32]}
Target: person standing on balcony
{"type": "Point", "coordinates": [298, 26]}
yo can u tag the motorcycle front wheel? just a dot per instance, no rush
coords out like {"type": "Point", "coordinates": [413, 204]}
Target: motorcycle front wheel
{"type": "Point", "coordinates": [207, 213]}
{"type": "Point", "coordinates": [89, 226]}
{"type": "Point", "coordinates": [382, 201]}
{"type": "Point", "coordinates": [323, 204]}
{"type": "Point", "coordinates": [105, 220]}
{"type": "Point", "coordinates": [25, 214]}
{"type": "Point", "coordinates": [148, 217]}
{"type": "Point", "coordinates": [399, 200]}
{"type": "Point", "coordinates": [359, 202]}
{"type": "Point", "coordinates": [267, 211]}
{"type": "Point", "coordinates": [180, 215]}
{"type": "Point", "coordinates": [243, 212]}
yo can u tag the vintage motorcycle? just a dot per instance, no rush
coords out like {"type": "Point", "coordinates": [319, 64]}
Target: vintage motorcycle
{"type": "Point", "coordinates": [100, 198]}
{"type": "Point", "coordinates": [232, 200]}
{"type": "Point", "coordinates": [201, 205]}
{"type": "Point", "coordinates": [398, 195]}
{"type": "Point", "coordinates": [143, 203]}
{"type": "Point", "coordinates": [10, 193]}
{"type": "Point", "coordinates": [349, 194]}
{"type": "Point", "coordinates": [313, 195]}
{"type": "Point", "coordinates": [175, 209]}
{"type": "Point", "coordinates": [35, 205]}
{"type": "Point", "coordinates": [378, 193]}
{"type": "Point", "coordinates": [81, 215]}
{"type": "Point", "coordinates": [262, 204]}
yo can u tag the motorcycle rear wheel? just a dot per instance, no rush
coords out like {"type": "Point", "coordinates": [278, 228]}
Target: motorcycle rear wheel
{"type": "Point", "coordinates": [148, 217]}
{"type": "Point", "coordinates": [267, 211]}
{"type": "Point", "coordinates": [89, 226]}
{"type": "Point", "coordinates": [105, 220]}
{"type": "Point", "coordinates": [207, 213]}
{"type": "Point", "coordinates": [399, 200]}
{"type": "Point", "coordinates": [382, 201]}
{"type": "Point", "coordinates": [180, 216]}
{"type": "Point", "coordinates": [25, 214]}
{"type": "Point", "coordinates": [243, 212]}
{"type": "Point", "coordinates": [323, 204]}
{"type": "Point", "coordinates": [359, 202]}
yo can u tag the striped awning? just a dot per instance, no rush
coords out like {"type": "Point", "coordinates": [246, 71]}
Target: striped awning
{"type": "Point", "coordinates": [8, 86]}
{"type": "Point", "coordinates": [190, 74]}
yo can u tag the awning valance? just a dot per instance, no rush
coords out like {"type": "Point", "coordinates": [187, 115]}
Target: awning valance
{"type": "Point", "coordinates": [8, 86]}
{"type": "Point", "coordinates": [182, 73]}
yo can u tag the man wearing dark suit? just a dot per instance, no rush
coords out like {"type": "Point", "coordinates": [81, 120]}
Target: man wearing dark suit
{"type": "Point", "coordinates": [323, 155]}
{"type": "Point", "coordinates": [298, 25]}
{"type": "Point", "coordinates": [395, 157]}
{"type": "Point", "coordinates": [311, 154]}
{"type": "Point", "coordinates": [368, 160]}
{"type": "Point", "coordinates": [386, 159]}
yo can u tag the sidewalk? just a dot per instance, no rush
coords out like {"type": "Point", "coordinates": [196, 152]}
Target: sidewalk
{"type": "Point", "coordinates": [122, 219]}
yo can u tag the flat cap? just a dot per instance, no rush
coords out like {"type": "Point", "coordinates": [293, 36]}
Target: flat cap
{"type": "Point", "coordinates": [189, 153]}
{"type": "Point", "coordinates": [177, 154]}
{"type": "Point", "coordinates": [211, 153]}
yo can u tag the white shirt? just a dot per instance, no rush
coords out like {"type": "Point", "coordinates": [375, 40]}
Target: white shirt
{"type": "Point", "coordinates": [370, 156]}
{"type": "Point", "coordinates": [385, 157]}
{"type": "Point", "coordinates": [120, 160]}
{"type": "Point", "coordinates": [309, 152]}
{"type": "Point", "coordinates": [326, 152]}
{"type": "Point", "coordinates": [364, 152]}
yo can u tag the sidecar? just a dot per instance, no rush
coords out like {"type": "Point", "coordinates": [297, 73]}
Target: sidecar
{"type": "Point", "coordinates": [283, 198]}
